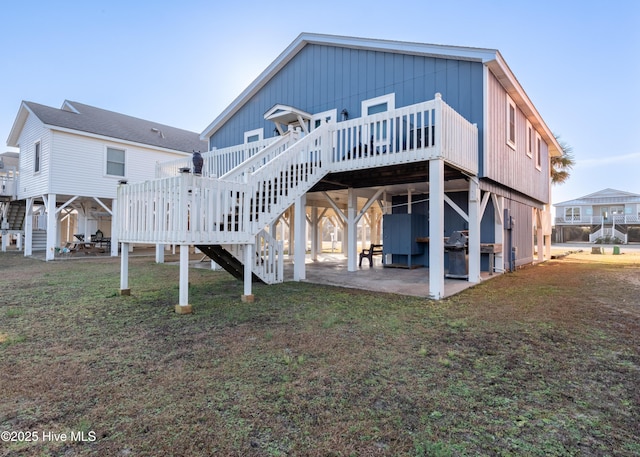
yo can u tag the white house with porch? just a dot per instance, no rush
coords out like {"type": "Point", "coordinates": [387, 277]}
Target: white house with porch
{"type": "Point", "coordinates": [441, 140]}
{"type": "Point", "coordinates": [608, 215]}
{"type": "Point", "coordinates": [71, 160]}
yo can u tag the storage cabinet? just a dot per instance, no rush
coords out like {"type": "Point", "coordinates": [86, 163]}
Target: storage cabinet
{"type": "Point", "coordinates": [399, 237]}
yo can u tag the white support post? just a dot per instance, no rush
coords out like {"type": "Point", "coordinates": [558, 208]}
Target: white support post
{"type": "Point", "coordinates": [124, 270]}
{"type": "Point", "coordinates": [314, 233]}
{"type": "Point", "coordinates": [540, 234]}
{"type": "Point", "coordinates": [249, 251]}
{"type": "Point", "coordinates": [52, 225]}
{"type": "Point", "coordinates": [28, 228]}
{"type": "Point", "coordinates": [292, 231]}
{"type": "Point", "coordinates": [474, 230]}
{"type": "Point", "coordinates": [300, 246]}
{"type": "Point", "coordinates": [498, 209]}
{"type": "Point", "coordinates": [352, 227]}
{"type": "Point", "coordinates": [114, 228]}
{"type": "Point", "coordinates": [159, 253]}
{"type": "Point", "coordinates": [436, 228]}
{"type": "Point", "coordinates": [183, 306]}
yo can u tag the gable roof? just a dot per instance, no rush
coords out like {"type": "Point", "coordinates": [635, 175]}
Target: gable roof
{"type": "Point", "coordinates": [603, 197]}
{"type": "Point", "coordinates": [78, 117]}
{"type": "Point", "coordinates": [489, 57]}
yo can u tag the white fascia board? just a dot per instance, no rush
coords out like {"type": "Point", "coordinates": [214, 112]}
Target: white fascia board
{"type": "Point", "coordinates": [441, 51]}
{"type": "Point", "coordinates": [403, 47]}
{"type": "Point", "coordinates": [505, 76]}
{"type": "Point", "coordinates": [114, 140]}
{"type": "Point", "coordinates": [18, 125]}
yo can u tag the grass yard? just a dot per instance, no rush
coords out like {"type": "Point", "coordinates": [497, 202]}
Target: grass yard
{"type": "Point", "coordinates": [541, 362]}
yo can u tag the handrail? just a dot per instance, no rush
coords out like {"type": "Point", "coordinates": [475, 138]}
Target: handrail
{"type": "Point", "coordinates": [205, 210]}
{"type": "Point", "coordinates": [215, 162]}
{"type": "Point", "coordinates": [408, 134]}
{"type": "Point", "coordinates": [9, 182]}
{"type": "Point", "coordinates": [260, 158]}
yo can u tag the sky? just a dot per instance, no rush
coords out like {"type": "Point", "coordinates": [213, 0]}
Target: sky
{"type": "Point", "coordinates": [181, 63]}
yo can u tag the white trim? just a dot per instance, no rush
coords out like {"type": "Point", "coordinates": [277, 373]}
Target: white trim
{"type": "Point", "coordinates": [330, 116]}
{"type": "Point", "coordinates": [538, 152]}
{"type": "Point", "coordinates": [389, 99]}
{"type": "Point", "coordinates": [530, 139]}
{"type": "Point", "coordinates": [250, 133]}
{"type": "Point", "coordinates": [37, 156]}
{"type": "Point", "coordinates": [511, 142]}
{"type": "Point", "coordinates": [106, 160]}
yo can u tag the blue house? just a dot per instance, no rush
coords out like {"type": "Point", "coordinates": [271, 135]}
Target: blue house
{"type": "Point", "coordinates": [431, 140]}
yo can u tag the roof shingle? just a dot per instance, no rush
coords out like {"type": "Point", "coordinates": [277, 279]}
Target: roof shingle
{"type": "Point", "coordinates": [86, 118]}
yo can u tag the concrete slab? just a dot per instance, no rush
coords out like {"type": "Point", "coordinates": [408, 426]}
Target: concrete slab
{"type": "Point", "coordinates": [331, 269]}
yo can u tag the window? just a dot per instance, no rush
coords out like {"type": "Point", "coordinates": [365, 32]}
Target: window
{"type": "Point", "coordinates": [572, 213]}
{"type": "Point", "coordinates": [36, 158]}
{"type": "Point", "coordinates": [320, 118]}
{"type": "Point", "coordinates": [377, 131]}
{"type": "Point", "coordinates": [253, 135]}
{"type": "Point", "coordinates": [538, 152]}
{"type": "Point", "coordinates": [511, 123]}
{"type": "Point", "coordinates": [530, 139]}
{"type": "Point", "coordinates": [115, 162]}
{"type": "Point", "coordinates": [378, 104]}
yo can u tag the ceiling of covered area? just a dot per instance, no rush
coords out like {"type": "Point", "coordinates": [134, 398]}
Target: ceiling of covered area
{"type": "Point", "coordinates": [396, 180]}
{"type": "Point", "coordinates": [411, 174]}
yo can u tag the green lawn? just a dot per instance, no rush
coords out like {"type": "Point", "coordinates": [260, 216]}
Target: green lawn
{"type": "Point", "coordinates": [541, 362]}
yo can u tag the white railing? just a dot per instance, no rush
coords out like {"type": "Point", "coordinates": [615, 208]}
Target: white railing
{"type": "Point", "coordinates": [274, 149]}
{"type": "Point", "coordinates": [215, 163]}
{"type": "Point", "coordinates": [410, 134]}
{"type": "Point", "coordinates": [189, 209]}
{"type": "Point", "coordinates": [268, 262]}
{"type": "Point", "coordinates": [618, 219]}
{"type": "Point", "coordinates": [185, 209]}
{"type": "Point", "coordinates": [608, 232]}
{"type": "Point", "coordinates": [9, 183]}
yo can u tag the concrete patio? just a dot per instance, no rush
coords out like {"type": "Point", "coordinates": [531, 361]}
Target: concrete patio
{"type": "Point", "coordinates": [331, 269]}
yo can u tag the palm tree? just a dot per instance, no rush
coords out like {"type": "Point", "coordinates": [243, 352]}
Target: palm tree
{"type": "Point", "coordinates": [561, 165]}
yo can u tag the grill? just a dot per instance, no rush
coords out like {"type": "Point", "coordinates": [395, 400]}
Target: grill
{"type": "Point", "coordinates": [456, 246]}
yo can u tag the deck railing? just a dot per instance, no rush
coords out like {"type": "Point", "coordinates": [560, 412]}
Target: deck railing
{"type": "Point", "coordinates": [216, 162]}
{"type": "Point", "coordinates": [189, 209]}
{"type": "Point", "coordinates": [618, 219]}
{"type": "Point", "coordinates": [409, 134]}
{"type": "Point", "coordinates": [9, 183]}
{"type": "Point", "coordinates": [258, 159]}
{"type": "Point", "coordinates": [268, 262]}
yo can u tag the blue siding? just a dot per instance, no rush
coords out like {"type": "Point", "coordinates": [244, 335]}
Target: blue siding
{"type": "Point", "coordinates": [452, 221]}
{"type": "Point", "coordinates": [322, 77]}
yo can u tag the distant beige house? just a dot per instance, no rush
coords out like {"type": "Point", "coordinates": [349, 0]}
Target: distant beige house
{"type": "Point", "coordinates": [608, 215]}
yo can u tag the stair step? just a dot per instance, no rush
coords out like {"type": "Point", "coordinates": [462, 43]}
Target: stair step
{"type": "Point", "coordinates": [226, 260]}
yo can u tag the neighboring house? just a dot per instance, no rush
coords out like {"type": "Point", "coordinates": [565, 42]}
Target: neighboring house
{"type": "Point", "coordinates": [11, 216]}
{"type": "Point", "coordinates": [606, 216]}
{"type": "Point", "coordinates": [438, 138]}
{"type": "Point", "coordinates": [71, 160]}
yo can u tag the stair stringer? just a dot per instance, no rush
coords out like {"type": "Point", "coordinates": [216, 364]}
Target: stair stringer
{"type": "Point", "coordinates": [273, 187]}
{"type": "Point", "coordinates": [269, 258]}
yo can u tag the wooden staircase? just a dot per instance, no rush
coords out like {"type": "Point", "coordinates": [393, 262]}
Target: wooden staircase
{"type": "Point", "coordinates": [15, 212]}
{"type": "Point", "coordinates": [226, 260]}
